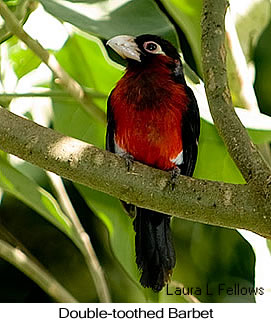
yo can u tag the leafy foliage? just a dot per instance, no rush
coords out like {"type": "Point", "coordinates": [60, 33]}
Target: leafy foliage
{"type": "Point", "coordinates": [12, 181]}
{"type": "Point", "coordinates": [205, 254]}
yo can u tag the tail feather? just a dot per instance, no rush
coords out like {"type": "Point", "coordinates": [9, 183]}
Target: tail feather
{"type": "Point", "coordinates": [155, 255]}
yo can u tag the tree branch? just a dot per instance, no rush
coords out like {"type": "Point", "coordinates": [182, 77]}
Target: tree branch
{"type": "Point", "coordinates": [223, 204]}
{"type": "Point", "coordinates": [39, 275]}
{"type": "Point", "coordinates": [234, 206]}
{"type": "Point", "coordinates": [242, 150]}
{"type": "Point", "coordinates": [63, 78]}
{"type": "Point", "coordinates": [59, 94]}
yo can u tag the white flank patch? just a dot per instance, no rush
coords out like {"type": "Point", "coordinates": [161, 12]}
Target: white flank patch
{"type": "Point", "coordinates": [179, 159]}
{"type": "Point", "coordinates": [119, 150]}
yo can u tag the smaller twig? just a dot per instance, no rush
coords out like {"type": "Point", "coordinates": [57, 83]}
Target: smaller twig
{"type": "Point", "coordinates": [45, 280]}
{"type": "Point", "coordinates": [50, 93]}
{"type": "Point", "coordinates": [62, 77]}
{"type": "Point", "coordinates": [86, 245]}
{"type": "Point", "coordinates": [189, 298]}
{"type": "Point", "coordinates": [9, 238]}
{"type": "Point", "coordinates": [21, 10]}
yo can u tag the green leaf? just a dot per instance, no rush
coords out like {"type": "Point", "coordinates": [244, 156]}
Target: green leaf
{"type": "Point", "coordinates": [258, 125]}
{"type": "Point", "coordinates": [23, 60]}
{"type": "Point", "coordinates": [21, 9]}
{"type": "Point", "coordinates": [251, 18]}
{"type": "Point", "coordinates": [214, 161]}
{"type": "Point", "coordinates": [26, 190]}
{"type": "Point", "coordinates": [187, 14]}
{"type": "Point", "coordinates": [106, 19]}
{"type": "Point", "coordinates": [12, 3]}
{"type": "Point", "coordinates": [69, 118]}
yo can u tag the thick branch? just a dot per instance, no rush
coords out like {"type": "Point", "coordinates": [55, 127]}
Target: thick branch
{"type": "Point", "coordinates": [242, 150]}
{"type": "Point", "coordinates": [229, 205]}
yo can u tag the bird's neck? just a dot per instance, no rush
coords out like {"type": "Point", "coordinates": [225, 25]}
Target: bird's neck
{"type": "Point", "coordinates": [157, 67]}
{"type": "Point", "coordinates": [147, 85]}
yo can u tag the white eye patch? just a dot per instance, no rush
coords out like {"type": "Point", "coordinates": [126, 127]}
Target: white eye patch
{"type": "Point", "coordinates": [153, 48]}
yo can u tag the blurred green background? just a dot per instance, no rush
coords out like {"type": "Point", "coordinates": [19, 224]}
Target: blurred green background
{"type": "Point", "coordinates": [76, 31]}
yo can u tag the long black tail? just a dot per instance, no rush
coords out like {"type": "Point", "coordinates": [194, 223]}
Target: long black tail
{"type": "Point", "coordinates": [155, 254]}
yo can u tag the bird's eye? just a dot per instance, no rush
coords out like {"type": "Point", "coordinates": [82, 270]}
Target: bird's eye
{"type": "Point", "coordinates": [152, 47]}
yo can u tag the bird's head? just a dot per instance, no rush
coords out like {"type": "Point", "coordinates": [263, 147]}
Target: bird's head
{"type": "Point", "coordinates": [146, 49]}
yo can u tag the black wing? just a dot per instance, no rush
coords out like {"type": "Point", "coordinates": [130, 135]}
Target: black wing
{"type": "Point", "coordinates": [190, 135]}
{"type": "Point", "coordinates": [110, 131]}
{"type": "Point", "coordinates": [110, 145]}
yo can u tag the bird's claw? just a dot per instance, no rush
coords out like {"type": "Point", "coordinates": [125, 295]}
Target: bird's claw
{"type": "Point", "coordinates": [174, 174]}
{"type": "Point", "coordinates": [129, 160]}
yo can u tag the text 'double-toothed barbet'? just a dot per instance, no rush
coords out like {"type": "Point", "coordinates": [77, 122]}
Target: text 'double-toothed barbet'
{"type": "Point", "coordinates": [153, 118]}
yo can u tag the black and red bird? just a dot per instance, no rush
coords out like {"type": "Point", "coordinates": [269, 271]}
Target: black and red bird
{"type": "Point", "coordinates": [153, 118]}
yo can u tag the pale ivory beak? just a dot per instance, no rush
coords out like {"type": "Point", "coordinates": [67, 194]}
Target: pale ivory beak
{"type": "Point", "coordinates": [125, 46]}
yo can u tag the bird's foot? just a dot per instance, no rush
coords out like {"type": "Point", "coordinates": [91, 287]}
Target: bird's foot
{"type": "Point", "coordinates": [130, 209]}
{"type": "Point", "coordinates": [174, 174]}
{"type": "Point", "coordinates": [129, 160]}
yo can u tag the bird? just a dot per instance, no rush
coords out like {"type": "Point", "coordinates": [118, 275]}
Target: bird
{"type": "Point", "coordinates": [152, 118]}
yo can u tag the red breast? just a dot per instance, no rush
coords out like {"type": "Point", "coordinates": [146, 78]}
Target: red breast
{"type": "Point", "coordinates": [148, 107]}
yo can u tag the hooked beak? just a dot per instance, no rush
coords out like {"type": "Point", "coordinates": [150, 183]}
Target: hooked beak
{"type": "Point", "coordinates": [125, 46]}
